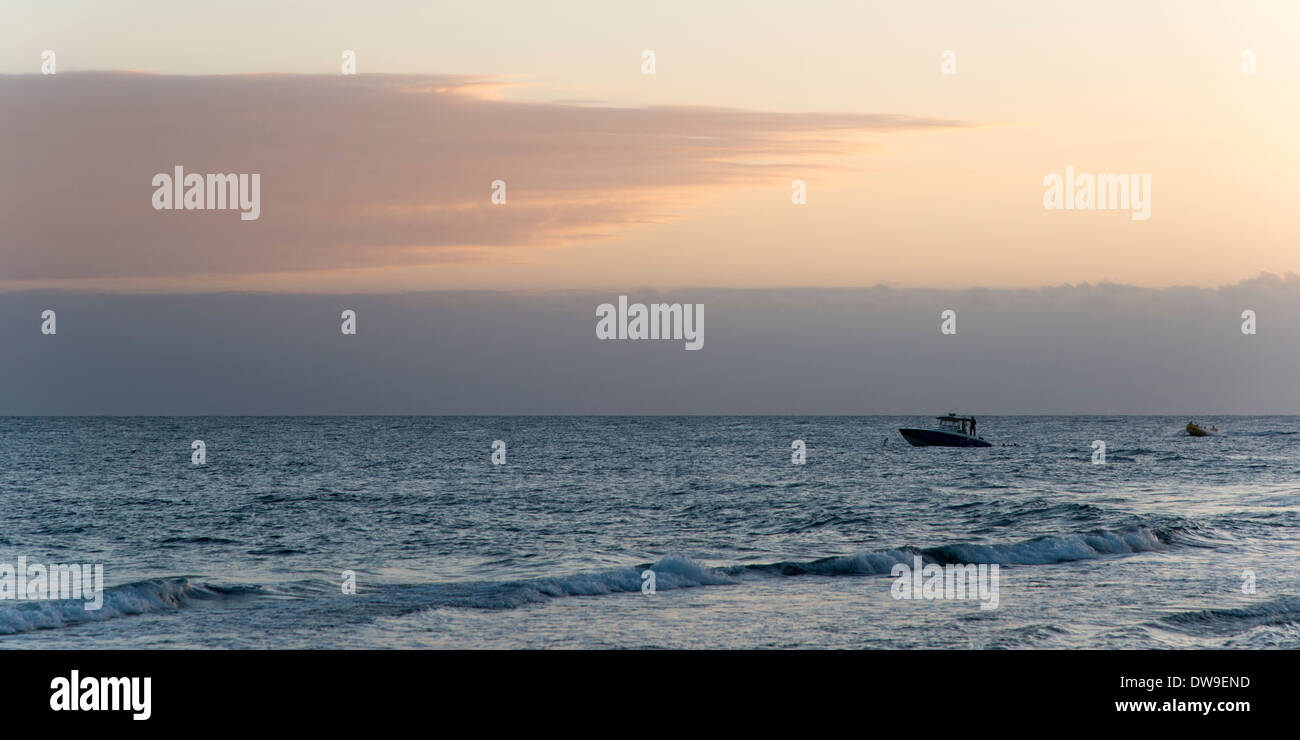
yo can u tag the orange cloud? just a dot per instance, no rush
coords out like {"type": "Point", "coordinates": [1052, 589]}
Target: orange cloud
{"type": "Point", "coordinates": [359, 172]}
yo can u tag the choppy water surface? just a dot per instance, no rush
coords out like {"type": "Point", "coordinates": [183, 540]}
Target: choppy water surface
{"type": "Point", "coordinates": [1147, 550]}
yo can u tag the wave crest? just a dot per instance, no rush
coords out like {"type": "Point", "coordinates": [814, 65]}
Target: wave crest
{"type": "Point", "coordinates": [129, 599]}
{"type": "Point", "coordinates": [680, 572]}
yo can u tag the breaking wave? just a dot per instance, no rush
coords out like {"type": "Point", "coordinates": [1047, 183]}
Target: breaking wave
{"type": "Point", "coordinates": [167, 594]}
{"type": "Point", "coordinates": [141, 597]}
{"type": "Point", "coordinates": [680, 572]}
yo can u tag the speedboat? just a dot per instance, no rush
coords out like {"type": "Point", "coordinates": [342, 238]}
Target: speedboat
{"type": "Point", "coordinates": [1196, 430]}
{"type": "Point", "coordinates": [953, 431]}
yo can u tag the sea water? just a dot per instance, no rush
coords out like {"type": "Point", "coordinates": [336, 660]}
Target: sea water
{"type": "Point", "coordinates": [1172, 542]}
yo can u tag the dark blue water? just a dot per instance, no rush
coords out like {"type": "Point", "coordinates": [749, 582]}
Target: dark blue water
{"type": "Point", "coordinates": [1150, 549]}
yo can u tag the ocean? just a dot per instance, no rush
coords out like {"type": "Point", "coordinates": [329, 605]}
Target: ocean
{"type": "Point", "coordinates": [1173, 542]}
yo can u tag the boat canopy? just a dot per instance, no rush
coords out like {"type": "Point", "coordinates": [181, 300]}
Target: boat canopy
{"type": "Point", "coordinates": [965, 424]}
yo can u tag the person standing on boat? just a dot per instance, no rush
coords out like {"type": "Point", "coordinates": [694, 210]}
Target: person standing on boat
{"type": "Point", "coordinates": [972, 426]}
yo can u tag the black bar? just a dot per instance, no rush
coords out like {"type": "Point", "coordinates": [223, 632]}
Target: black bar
{"type": "Point", "coordinates": [924, 689]}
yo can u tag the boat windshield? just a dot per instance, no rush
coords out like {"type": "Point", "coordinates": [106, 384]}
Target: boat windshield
{"type": "Point", "coordinates": [956, 423]}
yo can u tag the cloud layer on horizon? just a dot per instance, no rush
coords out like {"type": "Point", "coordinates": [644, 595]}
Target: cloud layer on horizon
{"type": "Point", "coordinates": [1101, 349]}
{"type": "Point", "coordinates": [358, 171]}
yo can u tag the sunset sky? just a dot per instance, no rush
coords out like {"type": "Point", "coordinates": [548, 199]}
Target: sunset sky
{"type": "Point", "coordinates": [380, 182]}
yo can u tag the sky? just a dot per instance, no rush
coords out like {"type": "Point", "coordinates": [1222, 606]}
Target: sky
{"type": "Point", "coordinates": [825, 178]}
{"type": "Point", "coordinates": [1102, 349]}
{"type": "Point", "coordinates": [381, 182]}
